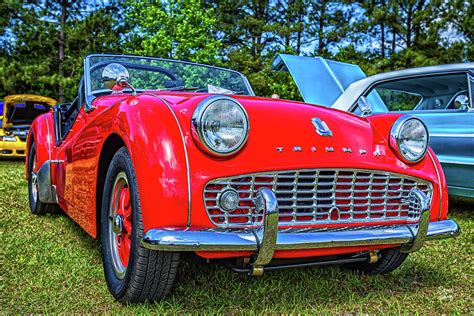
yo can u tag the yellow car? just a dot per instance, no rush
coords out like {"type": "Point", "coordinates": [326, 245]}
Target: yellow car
{"type": "Point", "coordinates": [19, 112]}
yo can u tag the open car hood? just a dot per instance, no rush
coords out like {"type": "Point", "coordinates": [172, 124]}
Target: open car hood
{"type": "Point", "coordinates": [23, 108]}
{"type": "Point", "coordinates": [320, 81]}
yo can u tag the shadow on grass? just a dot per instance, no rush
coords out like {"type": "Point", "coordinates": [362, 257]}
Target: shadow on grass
{"type": "Point", "coordinates": [213, 286]}
{"type": "Point", "coordinates": [13, 159]}
{"type": "Point", "coordinates": [463, 207]}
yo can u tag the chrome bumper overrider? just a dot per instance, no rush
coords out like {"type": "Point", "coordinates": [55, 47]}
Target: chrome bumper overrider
{"type": "Point", "coordinates": [265, 240]}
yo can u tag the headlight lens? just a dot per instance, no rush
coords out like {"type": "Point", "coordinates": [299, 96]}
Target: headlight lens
{"type": "Point", "coordinates": [409, 139]}
{"type": "Point", "coordinates": [222, 125]}
{"type": "Point", "coordinates": [8, 138]}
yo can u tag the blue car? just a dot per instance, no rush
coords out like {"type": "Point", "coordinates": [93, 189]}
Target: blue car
{"type": "Point", "coordinates": [442, 96]}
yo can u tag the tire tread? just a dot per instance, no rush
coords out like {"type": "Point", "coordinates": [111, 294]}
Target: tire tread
{"type": "Point", "coordinates": [390, 259]}
{"type": "Point", "coordinates": [152, 272]}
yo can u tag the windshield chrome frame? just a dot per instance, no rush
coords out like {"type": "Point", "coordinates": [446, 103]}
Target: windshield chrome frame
{"type": "Point", "coordinates": [89, 97]}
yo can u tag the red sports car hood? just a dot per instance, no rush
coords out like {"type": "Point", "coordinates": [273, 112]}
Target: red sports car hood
{"type": "Point", "coordinates": [283, 136]}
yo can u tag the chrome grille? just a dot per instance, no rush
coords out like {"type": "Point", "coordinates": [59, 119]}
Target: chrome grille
{"type": "Point", "coordinates": [319, 196]}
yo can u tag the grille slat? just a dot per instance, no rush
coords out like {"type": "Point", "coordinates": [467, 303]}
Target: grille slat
{"type": "Point", "coordinates": [318, 196]}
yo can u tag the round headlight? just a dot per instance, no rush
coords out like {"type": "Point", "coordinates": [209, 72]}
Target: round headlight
{"type": "Point", "coordinates": [409, 139]}
{"type": "Point", "coordinates": [8, 138]}
{"type": "Point", "coordinates": [221, 124]}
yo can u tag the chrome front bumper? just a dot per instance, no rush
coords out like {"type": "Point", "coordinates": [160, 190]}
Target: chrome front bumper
{"type": "Point", "coordinates": [265, 240]}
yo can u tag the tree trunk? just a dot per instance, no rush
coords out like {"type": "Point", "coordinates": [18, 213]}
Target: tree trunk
{"type": "Point", "coordinates": [322, 13]}
{"type": "Point", "coordinates": [394, 41]}
{"type": "Point", "coordinates": [62, 25]}
{"type": "Point", "coordinates": [288, 26]}
{"type": "Point", "coordinates": [382, 30]}
{"type": "Point", "coordinates": [417, 27]}
{"type": "Point", "coordinates": [409, 25]}
{"type": "Point", "coordinates": [298, 35]}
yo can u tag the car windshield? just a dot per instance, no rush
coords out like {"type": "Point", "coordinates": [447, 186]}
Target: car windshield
{"type": "Point", "coordinates": [147, 73]}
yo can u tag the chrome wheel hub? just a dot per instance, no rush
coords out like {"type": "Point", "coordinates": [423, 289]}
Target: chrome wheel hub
{"type": "Point", "coordinates": [117, 224]}
{"type": "Point", "coordinates": [120, 225]}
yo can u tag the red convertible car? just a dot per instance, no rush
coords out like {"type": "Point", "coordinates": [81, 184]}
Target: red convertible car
{"type": "Point", "coordinates": [160, 157]}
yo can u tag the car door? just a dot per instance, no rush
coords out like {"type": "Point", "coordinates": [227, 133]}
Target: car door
{"type": "Point", "coordinates": [67, 130]}
{"type": "Point", "coordinates": [63, 153]}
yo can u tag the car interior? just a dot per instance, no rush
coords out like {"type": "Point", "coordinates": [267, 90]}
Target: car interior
{"type": "Point", "coordinates": [65, 114]}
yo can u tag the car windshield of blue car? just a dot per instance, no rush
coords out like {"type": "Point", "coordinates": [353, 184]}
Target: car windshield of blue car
{"type": "Point", "coordinates": [147, 73]}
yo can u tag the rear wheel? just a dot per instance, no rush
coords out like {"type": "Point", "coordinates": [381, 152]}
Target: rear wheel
{"type": "Point", "coordinates": [133, 273]}
{"type": "Point", "coordinates": [389, 260]}
{"type": "Point", "coordinates": [36, 206]}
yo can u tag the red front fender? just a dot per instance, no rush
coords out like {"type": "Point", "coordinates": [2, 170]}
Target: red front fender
{"type": "Point", "coordinates": [156, 145]}
{"type": "Point", "coordinates": [153, 138]}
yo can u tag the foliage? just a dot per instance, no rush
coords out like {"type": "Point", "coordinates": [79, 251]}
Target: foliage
{"type": "Point", "coordinates": [245, 35]}
{"type": "Point", "coordinates": [31, 62]}
{"type": "Point", "coordinates": [179, 29]}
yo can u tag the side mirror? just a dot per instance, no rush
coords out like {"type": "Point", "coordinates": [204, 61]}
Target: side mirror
{"type": "Point", "coordinates": [115, 77]}
{"type": "Point", "coordinates": [364, 106]}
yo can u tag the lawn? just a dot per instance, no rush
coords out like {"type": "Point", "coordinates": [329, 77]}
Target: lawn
{"type": "Point", "coordinates": [48, 264]}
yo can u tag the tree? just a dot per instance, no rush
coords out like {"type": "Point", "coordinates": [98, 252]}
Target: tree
{"type": "Point", "coordinates": [179, 29]}
{"type": "Point", "coordinates": [42, 43]}
{"type": "Point", "coordinates": [329, 25]}
{"type": "Point", "coordinates": [290, 24]}
{"type": "Point", "coordinates": [47, 42]}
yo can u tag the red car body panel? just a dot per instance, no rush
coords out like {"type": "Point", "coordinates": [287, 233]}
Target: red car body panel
{"type": "Point", "coordinates": [156, 128]}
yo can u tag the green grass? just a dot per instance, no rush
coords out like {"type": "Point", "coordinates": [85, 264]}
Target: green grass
{"type": "Point", "coordinates": [48, 264]}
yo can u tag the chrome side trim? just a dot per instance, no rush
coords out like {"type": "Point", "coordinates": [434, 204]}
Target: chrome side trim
{"type": "Point", "coordinates": [177, 239]}
{"type": "Point", "coordinates": [188, 171]}
{"type": "Point", "coordinates": [463, 135]}
{"type": "Point", "coordinates": [456, 162]}
{"type": "Point", "coordinates": [46, 192]}
{"type": "Point", "coordinates": [439, 185]}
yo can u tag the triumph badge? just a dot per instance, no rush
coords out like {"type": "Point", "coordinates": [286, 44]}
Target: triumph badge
{"type": "Point", "coordinates": [321, 127]}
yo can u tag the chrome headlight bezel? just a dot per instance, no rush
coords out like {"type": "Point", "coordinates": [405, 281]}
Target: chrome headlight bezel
{"type": "Point", "coordinates": [396, 141]}
{"type": "Point", "coordinates": [197, 122]}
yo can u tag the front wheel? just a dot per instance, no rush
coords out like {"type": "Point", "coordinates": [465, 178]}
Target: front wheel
{"type": "Point", "coordinates": [133, 273]}
{"type": "Point", "coordinates": [389, 260]}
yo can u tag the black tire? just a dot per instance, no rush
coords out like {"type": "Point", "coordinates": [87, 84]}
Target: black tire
{"type": "Point", "coordinates": [149, 275]}
{"type": "Point", "coordinates": [36, 206]}
{"type": "Point", "coordinates": [389, 260]}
